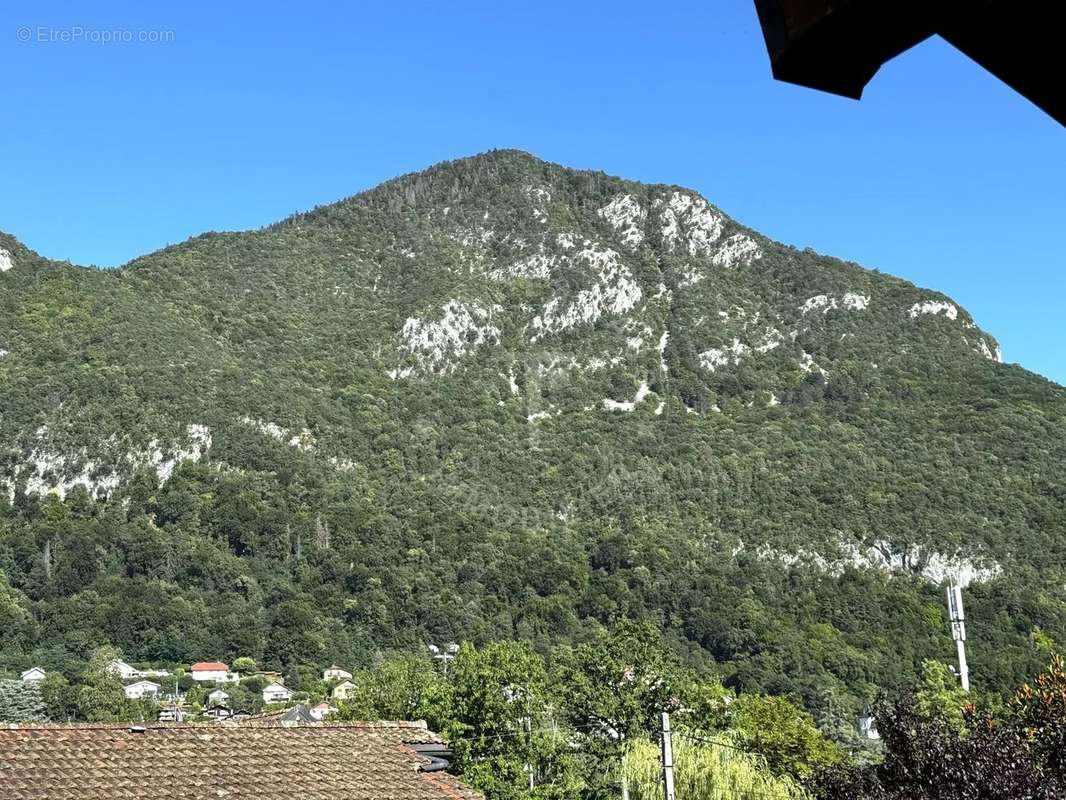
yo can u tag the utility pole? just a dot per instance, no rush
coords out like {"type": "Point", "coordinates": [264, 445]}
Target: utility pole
{"type": "Point", "coordinates": [668, 760]}
{"type": "Point", "coordinates": [958, 632]}
{"type": "Point", "coordinates": [445, 655]}
{"type": "Point", "coordinates": [529, 742]}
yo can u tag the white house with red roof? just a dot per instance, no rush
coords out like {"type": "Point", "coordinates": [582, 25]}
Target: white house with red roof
{"type": "Point", "coordinates": [212, 671]}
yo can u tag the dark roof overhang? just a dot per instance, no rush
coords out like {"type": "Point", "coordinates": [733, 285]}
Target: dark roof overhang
{"type": "Point", "coordinates": [839, 45]}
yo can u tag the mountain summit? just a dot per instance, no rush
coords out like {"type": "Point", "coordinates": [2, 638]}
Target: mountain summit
{"type": "Point", "coordinates": [505, 398]}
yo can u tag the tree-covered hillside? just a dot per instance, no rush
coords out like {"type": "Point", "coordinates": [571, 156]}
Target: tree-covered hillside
{"type": "Point", "coordinates": [504, 399]}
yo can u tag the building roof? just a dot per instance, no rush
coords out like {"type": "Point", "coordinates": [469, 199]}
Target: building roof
{"type": "Point", "coordinates": [297, 715]}
{"type": "Point", "coordinates": [346, 761]}
{"type": "Point", "coordinates": [209, 666]}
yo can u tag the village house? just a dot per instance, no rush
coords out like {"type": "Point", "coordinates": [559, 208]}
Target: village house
{"type": "Point", "coordinates": [171, 714]}
{"type": "Point", "coordinates": [218, 697]}
{"type": "Point", "coordinates": [335, 673]}
{"type": "Point", "coordinates": [33, 675]}
{"type": "Point", "coordinates": [123, 671]}
{"type": "Point", "coordinates": [265, 762]}
{"type": "Point", "coordinates": [276, 693]}
{"type": "Point", "coordinates": [212, 671]}
{"type": "Point", "coordinates": [142, 689]}
{"type": "Point", "coordinates": [342, 691]}
{"type": "Point", "coordinates": [217, 712]}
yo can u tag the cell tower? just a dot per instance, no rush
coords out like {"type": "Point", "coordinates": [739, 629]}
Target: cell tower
{"type": "Point", "coordinates": [958, 632]}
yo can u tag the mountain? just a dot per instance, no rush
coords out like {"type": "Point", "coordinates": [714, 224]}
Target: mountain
{"type": "Point", "coordinates": [502, 398]}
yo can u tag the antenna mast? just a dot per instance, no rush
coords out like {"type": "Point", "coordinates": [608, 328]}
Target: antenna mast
{"type": "Point", "coordinates": [958, 632]}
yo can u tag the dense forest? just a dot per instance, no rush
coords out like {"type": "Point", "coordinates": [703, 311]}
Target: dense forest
{"type": "Point", "coordinates": [503, 400]}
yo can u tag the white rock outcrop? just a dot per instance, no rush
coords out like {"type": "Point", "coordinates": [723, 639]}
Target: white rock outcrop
{"type": "Point", "coordinates": [820, 302]}
{"type": "Point", "coordinates": [722, 356]}
{"type": "Point", "coordinates": [993, 354]}
{"type": "Point", "coordinates": [850, 301]}
{"type": "Point", "coordinates": [855, 302]}
{"type": "Point", "coordinates": [537, 267]}
{"type": "Point", "coordinates": [626, 215]}
{"type": "Point", "coordinates": [304, 440]}
{"type": "Point", "coordinates": [52, 471]}
{"type": "Point", "coordinates": [934, 308]}
{"type": "Point", "coordinates": [689, 224]}
{"type": "Point", "coordinates": [615, 292]}
{"type": "Point", "coordinates": [737, 250]}
{"type": "Point", "coordinates": [438, 344]}
{"type": "Point", "coordinates": [935, 567]}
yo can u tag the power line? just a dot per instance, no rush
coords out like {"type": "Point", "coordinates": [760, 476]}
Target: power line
{"type": "Point", "coordinates": [717, 743]}
{"type": "Point", "coordinates": [557, 729]}
{"type": "Point", "coordinates": [563, 729]}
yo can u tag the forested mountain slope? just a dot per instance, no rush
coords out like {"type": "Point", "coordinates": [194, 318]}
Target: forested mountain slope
{"type": "Point", "coordinates": [501, 398]}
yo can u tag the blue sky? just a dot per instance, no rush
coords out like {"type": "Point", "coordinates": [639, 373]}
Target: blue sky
{"type": "Point", "coordinates": [251, 111]}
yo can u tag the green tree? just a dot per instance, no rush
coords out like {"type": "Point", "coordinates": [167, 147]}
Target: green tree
{"type": "Point", "coordinates": [617, 686]}
{"type": "Point", "coordinates": [197, 696]}
{"type": "Point", "coordinates": [783, 734]}
{"type": "Point", "coordinates": [399, 686]}
{"type": "Point", "coordinates": [243, 698]}
{"type": "Point", "coordinates": [21, 702]}
{"type": "Point", "coordinates": [500, 727]}
{"type": "Point", "coordinates": [244, 665]}
{"type": "Point", "coordinates": [939, 695]}
{"type": "Point", "coordinates": [60, 698]}
{"type": "Point", "coordinates": [706, 771]}
{"type": "Point", "coordinates": [101, 697]}
{"type": "Point", "coordinates": [16, 622]}
{"type": "Point", "coordinates": [613, 690]}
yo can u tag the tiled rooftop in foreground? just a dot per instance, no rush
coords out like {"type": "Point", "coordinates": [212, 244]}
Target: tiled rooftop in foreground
{"type": "Point", "coordinates": [345, 761]}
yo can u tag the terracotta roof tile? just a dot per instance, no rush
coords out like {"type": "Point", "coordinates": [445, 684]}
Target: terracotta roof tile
{"type": "Point", "coordinates": [344, 761]}
{"type": "Point", "coordinates": [209, 666]}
